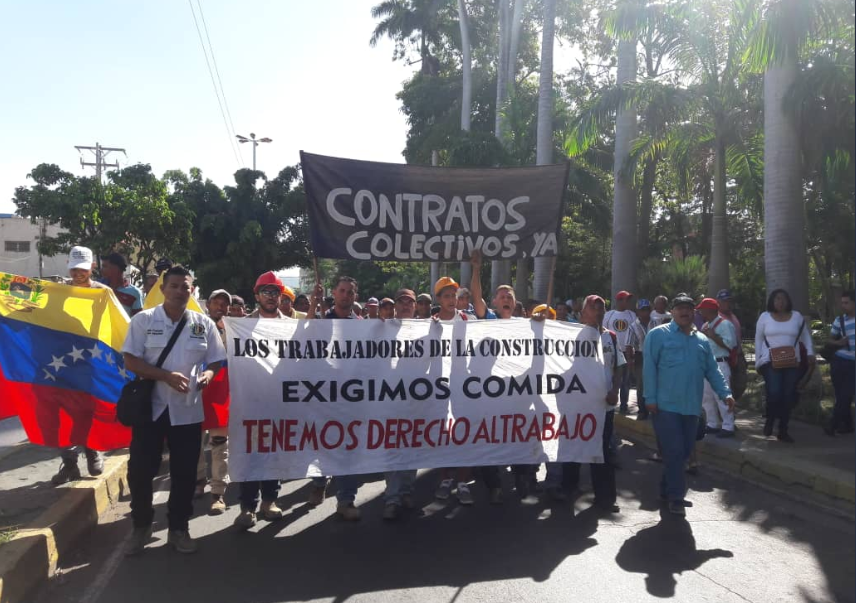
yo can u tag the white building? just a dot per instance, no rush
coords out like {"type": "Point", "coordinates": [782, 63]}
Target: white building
{"type": "Point", "coordinates": [18, 252]}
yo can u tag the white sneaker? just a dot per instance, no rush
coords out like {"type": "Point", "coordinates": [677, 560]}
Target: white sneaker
{"type": "Point", "coordinates": [465, 497]}
{"type": "Point", "coordinates": [444, 490]}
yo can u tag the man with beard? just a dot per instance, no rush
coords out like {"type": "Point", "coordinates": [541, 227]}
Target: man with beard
{"type": "Point", "coordinates": [268, 290]}
{"type": "Point", "coordinates": [217, 307]}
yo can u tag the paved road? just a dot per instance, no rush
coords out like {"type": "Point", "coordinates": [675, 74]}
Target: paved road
{"type": "Point", "coordinates": [11, 434]}
{"type": "Point", "coordinates": [740, 543]}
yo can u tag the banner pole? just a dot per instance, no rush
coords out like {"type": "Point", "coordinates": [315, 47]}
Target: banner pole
{"type": "Point", "coordinates": [549, 299]}
{"type": "Point", "coordinates": [315, 266]}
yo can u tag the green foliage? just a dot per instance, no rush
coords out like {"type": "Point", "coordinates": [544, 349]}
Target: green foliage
{"type": "Point", "coordinates": [670, 277]}
{"type": "Point", "coordinates": [131, 214]}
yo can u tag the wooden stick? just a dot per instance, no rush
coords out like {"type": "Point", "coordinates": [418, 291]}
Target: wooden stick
{"type": "Point", "coordinates": [549, 299]}
{"type": "Point", "coordinates": [315, 265]}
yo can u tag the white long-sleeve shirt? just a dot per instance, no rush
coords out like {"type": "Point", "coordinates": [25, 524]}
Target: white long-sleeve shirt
{"type": "Point", "coordinates": [780, 334]}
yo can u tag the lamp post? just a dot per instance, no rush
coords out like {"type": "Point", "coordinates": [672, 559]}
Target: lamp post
{"type": "Point", "coordinates": [252, 139]}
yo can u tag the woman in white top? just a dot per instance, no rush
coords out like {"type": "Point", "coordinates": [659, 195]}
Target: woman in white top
{"type": "Point", "coordinates": [781, 326]}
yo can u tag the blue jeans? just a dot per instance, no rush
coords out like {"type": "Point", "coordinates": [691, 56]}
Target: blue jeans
{"type": "Point", "coordinates": [676, 435]}
{"type": "Point", "coordinates": [844, 384]}
{"type": "Point", "coordinates": [398, 483]}
{"type": "Point", "coordinates": [346, 486]}
{"type": "Point", "coordinates": [249, 493]}
{"type": "Point", "coordinates": [781, 388]}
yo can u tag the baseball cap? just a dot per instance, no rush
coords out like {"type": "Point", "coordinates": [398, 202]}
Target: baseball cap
{"type": "Point", "coordinates": [642, 304]}
{"type": "Point", "coordinates": [623, 295]}
{"type": "Point", "coordinates": [372, 301]}
{"type": "Point", "coordinates": [463, 291]}
{"type": "Point", "coordinates": [443, 282]}
{"type": "Point", "coordinates": [387, 301]}
{"type": "Point", "coordinates": [80, 257]}
{"type": "Point", "coordinates": [682, 299]}
{"type": "Point", "coordinates": [357, 306]}
{"type": "Point", "coordinates": [163, 264]}
{"type": "Point", "coordinates": [569, 302]}
{"type": "Point", "coordinates": [591, 299]}
{"type": "Point", "coordinates": [116, 259]}
{"type": "Point", "coordinates": [221, 293]}
{"type": "Point", "coordinates": [423, 297]}
{"type": "Point", "coordinates": [405, 293]}
{"type": "Point", "coordinates": [288, 292]}
{"type": "Point", "coordinates": [724, 294]}
{"type": "Point", "coordinates": [708, 303]}
{"type": "Point", "coordinates": [551, 313]}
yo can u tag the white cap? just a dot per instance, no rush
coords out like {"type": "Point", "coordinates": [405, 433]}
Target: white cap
{"type": "Point", "coordinates": [569, 302]}
{"type": "Point", "coordinates": [80, 257]}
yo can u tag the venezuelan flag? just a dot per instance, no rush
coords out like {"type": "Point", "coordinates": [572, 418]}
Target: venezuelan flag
{"type": "Point", "coordinates": [61, 367]}
{"type": "Point", "coordinates": [215, 397]}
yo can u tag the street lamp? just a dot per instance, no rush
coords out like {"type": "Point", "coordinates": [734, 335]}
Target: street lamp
{"type": "Point", "coordinates": [252, 139]}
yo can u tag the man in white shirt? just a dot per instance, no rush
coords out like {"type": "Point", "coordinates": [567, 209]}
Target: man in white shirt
{"type": "Point", "coordinates": [723, 338]}
{"type": "Point", "coordinates": [177, 412]}
{"type": "Point", "coordinates": [660, 315]}
{"type": "Point", "coordinates": [619, 321]}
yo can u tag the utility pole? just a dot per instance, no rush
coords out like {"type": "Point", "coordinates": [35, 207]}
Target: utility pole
{"type": "Point", "coordinates": [252, 139]}
{"type": "Point", "coordinates": [100, 156]}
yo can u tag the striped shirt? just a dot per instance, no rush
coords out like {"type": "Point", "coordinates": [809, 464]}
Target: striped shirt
{"type": "Point", "coordinates": [848, 353]}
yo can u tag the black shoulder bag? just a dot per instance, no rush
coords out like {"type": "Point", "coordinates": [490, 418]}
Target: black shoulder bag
{"type": "Point", "coordinates": [134, 407]}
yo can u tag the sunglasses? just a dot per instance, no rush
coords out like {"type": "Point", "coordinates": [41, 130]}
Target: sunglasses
{"type": "Point", "coordinates": [270, 292]}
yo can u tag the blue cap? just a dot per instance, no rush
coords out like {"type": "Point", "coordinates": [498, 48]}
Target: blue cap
{"type": "Point", "coordinates": [724, 294]}
{"type": "Point", "coordinates": [643, 303]}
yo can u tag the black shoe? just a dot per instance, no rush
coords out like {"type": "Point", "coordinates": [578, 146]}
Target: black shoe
{"type": "Point", "coordinates": [676, 507]}
{"type": "Point", "coordinates": [784, 437]}
{"type": "Point", "coordinates": [68, 472]}
{"type": "Point", "coordinates": [709, 429]}
{"type": "Point", "coordinates": [607, 507]}
{"type": "Point", "coordinates": [94, 462]}
{"type": "Point", "coordinates": [724, 433]}
{"type": "Point", "coordinates": [768, 427]}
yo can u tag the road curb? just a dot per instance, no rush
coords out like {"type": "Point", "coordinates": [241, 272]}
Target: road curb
{"type": "Point", "coordinates": [760, 468]}
{"type": "Point", "coordinates": [30, 558]}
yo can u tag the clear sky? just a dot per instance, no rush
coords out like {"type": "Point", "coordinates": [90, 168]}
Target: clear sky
{"type": "Point", "coordinates": [133, 75]}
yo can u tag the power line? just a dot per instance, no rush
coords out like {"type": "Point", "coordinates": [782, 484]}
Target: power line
{"type": "Point", "coordinates": [217, 71]}
{"type": "Point", "coordinates": [213, 83]}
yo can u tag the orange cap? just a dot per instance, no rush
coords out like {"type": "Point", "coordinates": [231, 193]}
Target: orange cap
{"type": "Point", "coordinates": [288, 292]}
{"type": "Point", "coordinates": [446, 281]}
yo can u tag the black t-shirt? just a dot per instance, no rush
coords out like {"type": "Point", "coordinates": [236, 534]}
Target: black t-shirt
{"type": "Point", "coordinates": [331, 313]}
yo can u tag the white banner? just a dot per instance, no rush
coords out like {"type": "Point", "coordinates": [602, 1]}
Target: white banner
{"type": "Point", "coordinates": [340, 397]}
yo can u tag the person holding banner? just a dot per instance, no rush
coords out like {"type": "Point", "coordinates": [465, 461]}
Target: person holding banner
{"type": "Point", "coordinates": [344, 298]}
{"type": "Point", "coordinates": [217, 307]}
{"type": "Point", "coordinates": [602, 474]}
{"type": "Point", "coordinates": [80, 269]}
{"type": "Point", "coordinates": [677, 360]}
{"type": "Point", "coordinates": [177, 412]}
{"type": "Point", "coordinates": [399, 484]}
{"type": "Point", "coordinates": [269, 291]}
{"type": "Point", "coordinates": [504, 302]}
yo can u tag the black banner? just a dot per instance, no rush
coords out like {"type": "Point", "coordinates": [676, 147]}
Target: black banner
{"type": "Point", "coordinates": [365, 210]}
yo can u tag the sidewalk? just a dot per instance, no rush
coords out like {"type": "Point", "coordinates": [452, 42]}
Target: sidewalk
{"type": "Point", "coordinates": [817, 469]}
{"type": "Point", "coordinates": [40, 521]}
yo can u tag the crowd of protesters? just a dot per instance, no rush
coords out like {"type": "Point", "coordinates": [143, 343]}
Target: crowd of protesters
{"type": "Point", "coordinates": [679, 354]}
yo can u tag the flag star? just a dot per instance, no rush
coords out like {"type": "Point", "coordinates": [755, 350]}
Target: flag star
{"type": "Point", "coordinates": [48, 376]}
{"type": "Point", "coordinates": [108, 358]}
{"type": "Point", "coordinates": [125, 374]}
{"type": "Point", "coordinates": [75, 354]}
{"type": "Point", "coordinates": [57, 363]}
{"type": "Point", "coordinates": [95, 351]}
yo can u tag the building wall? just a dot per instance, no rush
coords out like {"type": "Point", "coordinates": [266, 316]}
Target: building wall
{"type": "Point", "coordinates": [18, 252]}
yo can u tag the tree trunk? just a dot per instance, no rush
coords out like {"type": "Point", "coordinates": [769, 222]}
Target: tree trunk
{"type": "Point", "coordinates": [785, 262]}
{"type": "Point", "coordinates": [500, 269]}
{"type": "Point", "coordinates": [624, 205]}
{"type": "Point", "coordinates": [544, 143]}
{"type": "Point", "coordinates": [466, 96]}
{"type": "Point", "coordinates": [646, 206]}
{"type": "Point", "coordinates": [514, 43]}
{"type": "Point", "coordinates": [718, 271]}
{"type": "Point", "coordinates": [521, 280]}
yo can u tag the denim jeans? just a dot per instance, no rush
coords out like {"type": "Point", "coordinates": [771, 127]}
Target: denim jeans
{"type": "Point", "coordinates": [346, 486]}
{"type": "Point", "coordinates": [249, 493]}
{"type": "Point", "coordinates": [676, 436]}
{"type": "Point", "coordinates": [781, 388]}
{"type": "Point", "coordinates": [844, 384]}
{"type": "Point", "coordinates": [398, 483]}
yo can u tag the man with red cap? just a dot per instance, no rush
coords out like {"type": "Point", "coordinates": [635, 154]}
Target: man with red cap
{"type": "Point", "coordinates": [723, 338]}
{"type": "Point", "coordinates": [268, 291]}
{"type": "Point", "coordinates": [619, 321]}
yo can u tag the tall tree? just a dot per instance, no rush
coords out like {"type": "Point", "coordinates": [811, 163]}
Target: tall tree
{"type": "Point", "coordinates": [544, 146]}
{"type": "Point", "coordinates": [466, 96]}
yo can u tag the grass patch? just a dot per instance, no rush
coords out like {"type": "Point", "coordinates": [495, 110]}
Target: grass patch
{"type": "Point", "coordinates": [7, 534]}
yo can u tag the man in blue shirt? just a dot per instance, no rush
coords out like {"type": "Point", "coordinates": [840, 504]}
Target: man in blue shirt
{"type": "Point", "coordinates": [677, 360]}
{"type": "Point", "coordinates": [843, 366]}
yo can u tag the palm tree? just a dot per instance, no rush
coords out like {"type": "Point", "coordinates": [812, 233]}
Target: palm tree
{"type": "Point", "coordinates": [544, 146]}
{"type": "Point", "coordinates": [466, 98]}
{"type": "Point", "coordinates": [785, 29]}
{"type": "Point", "coordinates": [414, 21]}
